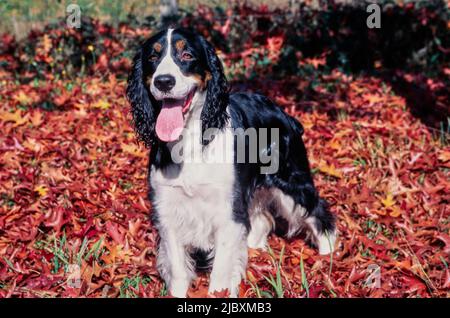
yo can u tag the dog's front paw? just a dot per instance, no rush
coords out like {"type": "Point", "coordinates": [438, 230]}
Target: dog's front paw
{"type": "Point", "coordinates": [178, 288]}
{"type": "Point", "coordinates": [221, 285]}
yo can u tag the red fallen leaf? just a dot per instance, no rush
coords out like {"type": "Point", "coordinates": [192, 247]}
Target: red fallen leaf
{"type": "Point", "coordinates": [141, 206]}
{"type": "Point", "coordinates": [447, 279]}
{"type": "Point", "coordinates": [113, 230]}
{"type": "Point", "coordinates": [71, 292]}
{"type": "Point", "coordinates": [315, 290]}
{"type": "Point", "coordinates": [134, 226]}
{"type": "Point", "coordinates": [446, 239]}
{"type": "Point", "coordinates": [47, 255]}
{"type": "Point", "coordinates": [56, 219]}
{"type": "Point", "coordinates": [122, 64]}
{"type": "Point", "coordinates": [25, 229]}
{"type": "Point", "coordinates": [199, 292]}
{"type": "Point", "coordinates": [43, 280]}
{"type": "Point", "coordinates": [102, 63]}
{"type": "Point", "coordinates": [354, 276]}
{"type": "Point", "coordinates": [92, 233]}
{"type": "Point", "coordinates": [224, 293]}
{"type": "Point", "coordinates": [54, 173]}
{"type": "Point", "coordinates": [414, 284]}
{"type": "Point", "coordinates": [61, 99]}
{"type": "Point", "coordinates": [274, 44]}
{"type": "Point", "coordinates": [87, 227]}
{"type": "Point", "coordinates": [11, 289]}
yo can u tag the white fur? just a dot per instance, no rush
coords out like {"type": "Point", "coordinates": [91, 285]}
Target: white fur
{"type": "Point", "coordinates": [230, 259]}
{"type": "Point", "coordinates": [183, 84]}
{"type": "Point", "coordinates": [325, 241]}
{"type": "Point", "coordinates": [293, 213]}
{"type": "Point", "coordinates": [261, 226]}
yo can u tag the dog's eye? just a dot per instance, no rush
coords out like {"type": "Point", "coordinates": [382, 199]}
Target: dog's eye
{"type": "Point", "coordinates": [186, 56]}
{"type": "Point", "coordinates": [153, 57]}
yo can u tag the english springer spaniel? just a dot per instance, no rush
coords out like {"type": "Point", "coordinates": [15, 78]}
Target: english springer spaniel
{"type": "Point", "coordinates": [211, 189]}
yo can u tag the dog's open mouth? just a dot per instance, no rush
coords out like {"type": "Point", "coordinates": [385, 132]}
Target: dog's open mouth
{"type": "Point", "coordinates": [170, 122]}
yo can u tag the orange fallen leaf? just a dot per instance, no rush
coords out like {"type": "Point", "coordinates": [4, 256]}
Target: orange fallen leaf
{"type": "Point", "coordinates": [101, 104]}
{"type": "Point", "coordinates": [388, 201]}
{"type": "Point", "coordinates": [15, 117]}
{"type": "Point", "coordinates": [444, 156]}
{"type": "Point", "coordinates": [54, 173]}
{"type": "Point", "coordinates": [330, 170]}
{"type": "Point", "coordinates": [41, 190]}
{"type": "Point", "coordinates": [23, 99]}
{"type": "Point", "coordinates": [396, 212]}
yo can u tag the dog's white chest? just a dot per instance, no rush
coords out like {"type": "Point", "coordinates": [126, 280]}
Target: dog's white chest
{"type": "Point", "coordinates": [195, 197]}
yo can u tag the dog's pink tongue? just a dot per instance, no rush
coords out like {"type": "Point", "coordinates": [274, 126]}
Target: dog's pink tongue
{"type": "Point", "coordinates": [170, 122]}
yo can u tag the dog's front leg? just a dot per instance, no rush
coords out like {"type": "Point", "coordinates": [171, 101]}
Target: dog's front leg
{"type": "Point", "coordinates": [230, 260]}
{"type": "Point", "coordinates": [174, 264]}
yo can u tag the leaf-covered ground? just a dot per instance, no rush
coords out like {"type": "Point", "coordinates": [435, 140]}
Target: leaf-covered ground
{"type": "Point", "coordinates": [73, 192]}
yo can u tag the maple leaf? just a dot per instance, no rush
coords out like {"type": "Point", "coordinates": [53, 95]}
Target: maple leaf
{"type": "Point", "coordinates": [32, 144]}
{"type": "Point", "coordinates": [330, 170]}
{"type": "Point", "coordinates": [23, 99]}
{"type": "Point", "coordinates": [373, 99]}
{"type": "Point", "coordinates": [396, 212]}
{"type": "Point", "coordinates": [37, 118]}
{"type": "Point", "coordinates": [56, 219]}
{"type": "Point", "coordinates": [41, 190]}
{"type": "Point", "coordinates": [116, 253]}
{"type": "Point", "coordinates": [54, 173]}
{"type": "Point", "coordinates": [15, 117]}
{"type": "Point", "coordinates": [224, 293]}
{"type": "Point", "coordinates": [444, 156]}
{"type": "Point", "coordinates": [101, 104]}
{"type": "Point", "coordinates": [114, 230]}
{"type": "Point", "coordinates": [388, 201]}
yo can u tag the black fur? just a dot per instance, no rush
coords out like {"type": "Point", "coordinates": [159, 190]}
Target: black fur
{"type": "Point", "coordinates": [214, 113]}
{"type": "Point", "coordinates": [293, 177]}
{"type": "Point", "coordinates": [143, 106]}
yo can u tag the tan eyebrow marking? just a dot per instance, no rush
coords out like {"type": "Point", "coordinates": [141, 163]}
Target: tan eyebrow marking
{"type": "Point", "coordinates": [180, 44]}
{"type": "Point", "coordinates": [157, 46]}
{"type": "Point", "coordinates": [202, 82]}
{"type": "Point", "coordinates": [148, 81]}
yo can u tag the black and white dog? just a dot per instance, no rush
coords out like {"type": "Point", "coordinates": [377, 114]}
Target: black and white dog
{"type": "Point", "coordinates": [206, 196]}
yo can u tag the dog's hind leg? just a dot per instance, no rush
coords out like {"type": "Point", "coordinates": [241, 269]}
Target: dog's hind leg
{"type": "Point", "coordinates": [322, 225]}
{"type": "Point", "coordinates": [301, 207]}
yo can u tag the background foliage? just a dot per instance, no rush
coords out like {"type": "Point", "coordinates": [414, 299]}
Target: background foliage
{"type": "Point", "coordinates": [374, 104]}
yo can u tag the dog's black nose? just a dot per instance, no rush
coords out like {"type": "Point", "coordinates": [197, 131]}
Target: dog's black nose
{"type": "Point", "coordinates": [164, 82]}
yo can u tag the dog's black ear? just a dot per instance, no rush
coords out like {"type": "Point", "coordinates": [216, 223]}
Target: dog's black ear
{"type": "Point", "coordinates": [142, 102]}
{"type": "Point", "coordinates": [214, 113]}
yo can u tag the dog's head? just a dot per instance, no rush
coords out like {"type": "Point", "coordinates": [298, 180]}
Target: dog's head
{"type": "Point", "coordinates": [169, 70]}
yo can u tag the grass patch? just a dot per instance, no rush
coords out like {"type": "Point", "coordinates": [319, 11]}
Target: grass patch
{"type": "Point", "coordinates": [276, 281]}
{"type": "Point", "coordinates": [130, 286]}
